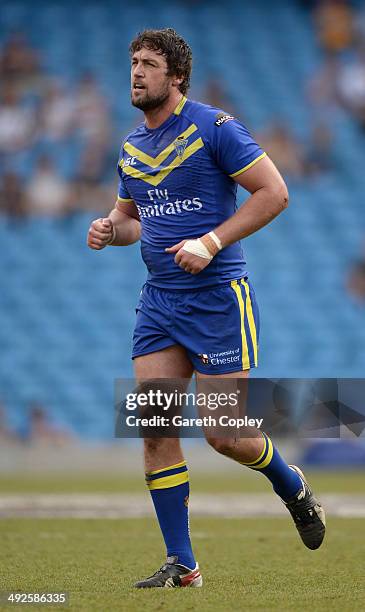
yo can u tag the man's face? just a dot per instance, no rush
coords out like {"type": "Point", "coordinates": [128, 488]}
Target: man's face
{"type": "Point", "coordinates": [150, 85]}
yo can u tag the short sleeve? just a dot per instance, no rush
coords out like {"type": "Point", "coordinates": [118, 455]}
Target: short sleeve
{"type": "Point", "coordinates": [233, 146]}
{"type": "Point", "coordinates": [123, 194]}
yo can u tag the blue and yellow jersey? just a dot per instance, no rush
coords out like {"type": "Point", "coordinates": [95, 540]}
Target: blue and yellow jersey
{"type": "Point", "coordinates": [180, 176]}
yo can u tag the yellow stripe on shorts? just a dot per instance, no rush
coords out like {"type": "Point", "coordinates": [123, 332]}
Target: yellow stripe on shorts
{"type": "Point", "coordinates": [251, 320]}
{"type": "Point", "coordinates": [245, 356]}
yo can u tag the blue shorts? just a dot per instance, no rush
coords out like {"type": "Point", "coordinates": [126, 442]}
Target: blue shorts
{"type": "Point", "coordinates": [218, 326]}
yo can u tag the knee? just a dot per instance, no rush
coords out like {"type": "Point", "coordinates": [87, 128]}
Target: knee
{"type": "Point", "coordinates": [224, 446]}
{"type": "Point", "coordinates": [154, 445]}
{"type": "Point", "coordinates": [161, 446]}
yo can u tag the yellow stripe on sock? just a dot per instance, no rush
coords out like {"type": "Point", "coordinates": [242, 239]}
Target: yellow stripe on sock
{"type": "Point", "coordinates": [170, 467]}
{"type": "Point", "coordinates": [260, 455]}
{"type": "Point", "coordinates": [267, 459]}
{"type": "Point", "coordinates": [166, 482]}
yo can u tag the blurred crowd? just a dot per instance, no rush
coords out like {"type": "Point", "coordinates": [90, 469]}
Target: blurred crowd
{"type": "Point", "coordinates": [37, 429]}
{"type": "Point", "coordinates": [43, 123]}
{"type": "Point", "coordinates": [338, 85]}
{"type": "Point", "coordinates": [340, 79]}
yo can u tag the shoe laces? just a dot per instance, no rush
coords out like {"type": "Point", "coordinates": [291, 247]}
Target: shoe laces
{"type": "Point", "coordinates": [304, 515]}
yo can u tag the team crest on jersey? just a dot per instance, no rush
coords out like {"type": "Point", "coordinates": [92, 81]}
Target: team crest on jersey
{"type": "Point", "coordinates": [222, 118]}
{"type": "Point", "coordinates": [180, 146]}
{"type": "Point", "coordinates": [203, 358]}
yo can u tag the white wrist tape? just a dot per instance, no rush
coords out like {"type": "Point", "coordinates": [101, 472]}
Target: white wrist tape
{"type": "Point", "coordinates": [216, 240]}
{"type": "Point", "coordinates": [196, 247]}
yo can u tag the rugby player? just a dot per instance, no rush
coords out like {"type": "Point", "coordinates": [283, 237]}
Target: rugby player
{"type": "Point", "coordinates": [179, 172]}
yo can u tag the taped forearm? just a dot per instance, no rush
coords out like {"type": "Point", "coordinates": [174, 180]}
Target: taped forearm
{"type": "Point", "coordinates": [206, 247]}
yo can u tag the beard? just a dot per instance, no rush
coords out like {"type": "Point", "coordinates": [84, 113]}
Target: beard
{"type": "Point", "coordinates": [148, 103]}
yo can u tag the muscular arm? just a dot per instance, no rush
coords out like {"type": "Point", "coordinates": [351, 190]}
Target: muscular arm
{"type": "Point", "coordinates": [126, 224]}
{"type": "Point", "coordinates": [269, 197]}
{"type": "Point", "coordinates": [121, 228]}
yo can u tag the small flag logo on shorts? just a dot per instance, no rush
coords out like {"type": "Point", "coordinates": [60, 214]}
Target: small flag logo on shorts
{"type": "Point", "coordinates": [204, 358]}
{"type": "Point", "coordinates": [180, 146]}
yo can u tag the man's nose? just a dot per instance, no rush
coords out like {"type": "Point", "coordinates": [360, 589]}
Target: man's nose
{"type": "Point", "coordinates": [138, 69]}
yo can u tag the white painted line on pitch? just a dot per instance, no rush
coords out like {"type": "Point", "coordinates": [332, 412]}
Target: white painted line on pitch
{"type": "Point", "coordinates": [125, 505]}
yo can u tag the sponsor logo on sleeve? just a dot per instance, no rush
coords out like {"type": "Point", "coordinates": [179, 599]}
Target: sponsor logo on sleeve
{"type": "Point", "coordinates": [222, 118]}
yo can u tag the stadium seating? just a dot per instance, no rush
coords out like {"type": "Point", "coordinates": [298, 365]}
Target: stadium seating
{"type": "Point", "coordinates": [66, 313]}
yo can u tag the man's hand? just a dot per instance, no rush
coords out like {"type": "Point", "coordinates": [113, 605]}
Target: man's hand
{"type": "Point", "coordinates": [187, 261]}
{"type": "Point", "coordinates": [100, 234]}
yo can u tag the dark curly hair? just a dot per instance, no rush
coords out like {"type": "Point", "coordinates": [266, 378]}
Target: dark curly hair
{"type": "Point", "coordinates": [173, 47]}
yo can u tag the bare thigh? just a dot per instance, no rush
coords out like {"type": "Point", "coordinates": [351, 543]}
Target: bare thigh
{"type": "Point", "coordinates": [241, 374]}
{"type": "Point", "coordinates": [171, 362]}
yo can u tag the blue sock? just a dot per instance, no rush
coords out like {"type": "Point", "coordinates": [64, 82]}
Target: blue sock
{"type": "Point", "coordinates": [169, 489]}
{"type": "Point", "coordinates": [285, 481]}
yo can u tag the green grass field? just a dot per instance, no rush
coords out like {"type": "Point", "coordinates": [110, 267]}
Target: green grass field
{"type": "Point", "coordinates": [247, 564]}
{"type": "Point", "coordinates": [257, 564]}
{"type": "Point", "coordinates": [247, 481]}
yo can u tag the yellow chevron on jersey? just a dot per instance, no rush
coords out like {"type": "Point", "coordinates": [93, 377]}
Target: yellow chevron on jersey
{"type": "Point", "coordinates": [155, 162]}
{"type": "Point", "coordinates": [159, 176]}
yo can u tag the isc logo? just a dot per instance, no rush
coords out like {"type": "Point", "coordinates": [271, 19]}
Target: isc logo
{"type": "Point", "coordinates": [129, 161]}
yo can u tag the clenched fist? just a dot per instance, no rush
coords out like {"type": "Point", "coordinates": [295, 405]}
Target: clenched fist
{"type": "Point", "coordinates": [188, 261]}
{"type": "Point", "coordinates": [100, 234]}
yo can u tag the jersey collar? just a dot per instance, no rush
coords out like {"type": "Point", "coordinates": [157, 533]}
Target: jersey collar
{"type": "Point", "coordinates": [170, 118]}
{"type": "Point", "coordinates": [180, 106]}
